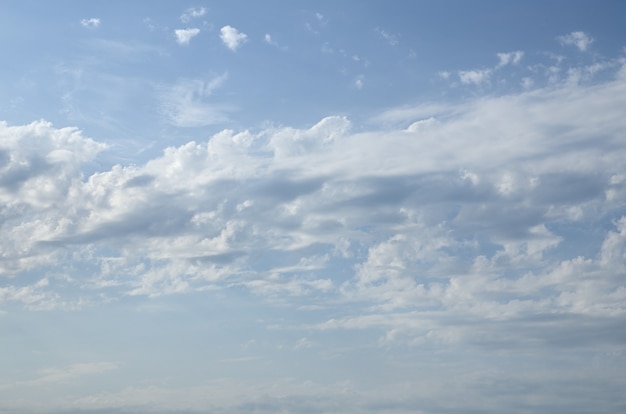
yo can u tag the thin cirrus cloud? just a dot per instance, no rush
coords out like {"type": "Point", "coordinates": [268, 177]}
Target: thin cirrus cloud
{"type": "Point", "coordinates": [232, 38]}
{"type": "Point", "coordinates": [193, 13]}
{"type": "Point", "coordinates": [188, 102]}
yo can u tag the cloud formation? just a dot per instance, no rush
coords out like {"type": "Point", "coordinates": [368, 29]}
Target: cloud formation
{"type": "Point", "coordinates": [579, 39]}
{"type": "Point", "coordinates": [184, 36]}
{"type": "Point", "coordinates": [192, 13]}
{"type": "Point", "coordinates": [91, 23]}
{"type": "Point", "coordinates": [512, 58]}
{"type": "Point", "coordinates": [232, 38]}
{"type": "Point", "coordinates": [447, 213]}
{"type": "Point", "coordinates": [475, 77]}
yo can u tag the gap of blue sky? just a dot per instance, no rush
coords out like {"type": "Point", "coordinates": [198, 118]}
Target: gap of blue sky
{"type": "Point", "coordinates": [312, 207]}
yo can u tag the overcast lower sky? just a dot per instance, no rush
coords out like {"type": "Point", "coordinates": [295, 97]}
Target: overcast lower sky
{"type": "Point", "coordinates": [313, 207]}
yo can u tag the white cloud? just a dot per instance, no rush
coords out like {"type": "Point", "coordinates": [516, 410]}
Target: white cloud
{"type": "Point", "coordinates": [579, 39]}
{"type": "Point", "coordinates": [476, 77]}
{"type": "Point", "coordinates": [192, 13]}
{"type": "Point", "coordinates": [91, 23]}
{"type": "Point", "coordinates": [359, 82]}
{"type": "Point", "coordinates": [462, 215]}
{"type": "Point", "coordinates": [232, 38]}
{"type": "Point", "coordinates": [184, 36]}
{"type": "Point", "coordinates": [510, 58]}
{"type": "Point", "coordinates": [270, 41]}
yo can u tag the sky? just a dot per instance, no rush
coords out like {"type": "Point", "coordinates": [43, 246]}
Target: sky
{"type": "Point", "coordinates": [357, 207]}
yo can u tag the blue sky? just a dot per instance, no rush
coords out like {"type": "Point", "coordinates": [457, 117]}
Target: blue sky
{"type": "Point", "coordinates": [312, 207]}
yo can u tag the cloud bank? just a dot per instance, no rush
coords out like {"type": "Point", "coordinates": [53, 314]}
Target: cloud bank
{"type": "Point", "coordinates": [496, 225]}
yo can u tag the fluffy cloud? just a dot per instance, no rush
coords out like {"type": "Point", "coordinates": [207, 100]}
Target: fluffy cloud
{"type": "Point", "coordinates": [472, 217]}
{"type": "Point", "coordinates": [444, 226]}
{"type": "Point", "coordinates": [475, 77]}
{"type": "Point", "coordinates": [184, 36]}
{"type": "Point", "coordinates": [579, 39]}
{"type": "Point", "coordinates": [232, 38]}
{"type": "Point", "coordinates": [91, 23]}
{"type": "Point", "coordinates": [510, 58]}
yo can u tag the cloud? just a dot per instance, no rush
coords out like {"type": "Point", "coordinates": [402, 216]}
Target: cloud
{"type": "Point", "coordinates": [392, 39]}
{"type": "Point", "coordinates": [232, 38]}
{"type": "Point", "coordinates": [359, 82]}
{"type": "Point", "coordinates": [442, 226]}
{"type": "Point", "coordinates": [579, 39]}
{"type": "Point", "coordinates": [91, 23]}
{"type": "Point", "coordinates": [184, 36]}
{"type": "Point", "coordinates": [186, 104]}
{"type": "Point", "coordinates": [463, 225]}
{"type": "Point", "coordinates": [192, 13]}
{"type": "Point", "coordinates": [476, 77]}
{"type": "Point", "coordinates": [510, 58]}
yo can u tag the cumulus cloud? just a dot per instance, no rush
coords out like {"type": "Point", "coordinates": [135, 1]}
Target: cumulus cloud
{"type": "Point", "coordinates": [184, 36]}
{"type": "Point", "coordinates": [232, 38]}
{"type": "Point", "coordinates": [192, 13]}
{"type": "Point", "coordinates": [91, 23]}
{"type": "Point", "coordinates": [471, 200]}
{"type": "Point", "coordinates": [446, 225]}
{"type": "Point", "coordinates": [510, 58]}
{"type": "Point", "coordinates": [476, 77]}
{"type": "Point", "coordinates": [579, 39]}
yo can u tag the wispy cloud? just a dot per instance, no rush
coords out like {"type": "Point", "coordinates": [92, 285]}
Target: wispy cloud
{"type": "Point", "coordinates": [187, 104]}
{"type": "Point", "coordinates": [192, 13]}
{"type": "Point", "coordinates": [232, 38]}
{"type": "Point", "coordinates": [391, 38]}
{"type": "Point", "coordinates": [510, 58]}
{"type": "Point", "coordinates": [184, 36]}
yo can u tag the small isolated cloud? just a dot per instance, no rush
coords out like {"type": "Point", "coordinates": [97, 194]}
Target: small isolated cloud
{"type": "Point", "coordinates": [184, 36]}
{"type": "Point", "coordinates": [232, 37]}
{"type": "Point", "coordinates": [510, 58]}
{"type": "Point", "coordinates": [192, 13]}
{"type": "Point", "coordinates": [359, 82]}
{"type": "Point", "coordinates": [270, 41]}
{"type": "Point", "coordinates": [91, 23]}
{"type": "Point", "coordinates": [389, 37]}
{"type": "Point", "coordinates": [476, 77]}
{"type": "Point", "coordinates": [579, 39]}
